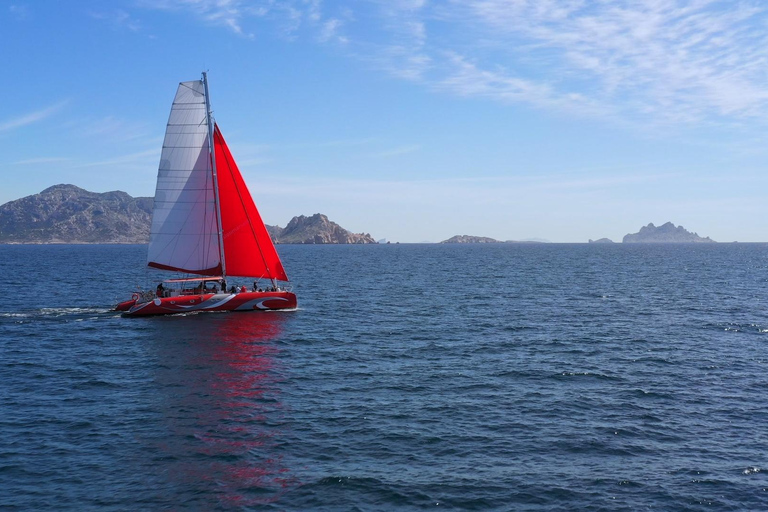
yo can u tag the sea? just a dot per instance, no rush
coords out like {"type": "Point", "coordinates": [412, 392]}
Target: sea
{"type": "Point", "coordinates": [411, 377]}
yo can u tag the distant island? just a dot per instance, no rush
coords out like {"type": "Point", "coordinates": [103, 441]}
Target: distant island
{"type": "Point", "coordinates": [601, 241]}
{"type": "Point", "coordinates": [67, 214]}
{"type": "Point", "coordinates": [665, 234]}
{"type": "Point", "coordinates": [469, 239]}
{"type": "Point", "coordinates": [316, 229]}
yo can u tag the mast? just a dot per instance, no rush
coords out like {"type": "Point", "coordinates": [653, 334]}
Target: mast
{"type": "Point", "coordinates": [212, 152]}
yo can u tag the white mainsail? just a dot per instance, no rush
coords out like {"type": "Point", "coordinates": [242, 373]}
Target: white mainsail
{"type": "Point", "coordinates": [184, 232]}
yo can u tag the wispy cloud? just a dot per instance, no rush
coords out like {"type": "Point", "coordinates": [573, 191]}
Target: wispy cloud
{"type": "Point", "coordinates": [118, 19]}
{"type": "Point", "coordinates": [681, 60]}
{"type": "Point", "coordinates": [665, 61]}
{"type": "Point", "coordinates": [41, 160]}
{"type": "Point", "coordinates": [325, 144]}
{"type": "Point", "coordinates": [402, 150]}
{"type": "Point", "coordinates": [484, 189]}
{"type": "Point", "coordinates": [141, 157]}
{"type": "Point", "coordinates": [226, 13]}
{"type": "Point", "coordinates": [287, 17]}
{"type": "Point", "coordinates": [114, 129]}
{"type": "Point", "coordinates": [20, 12]}
{"type": "Point", "coordinates": [330, 31]}
{"type": "Point", "coordinates": [32, 117]}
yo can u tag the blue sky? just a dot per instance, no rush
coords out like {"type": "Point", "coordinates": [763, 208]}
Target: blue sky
{"type": "Point", "coordinates": [413, 120]}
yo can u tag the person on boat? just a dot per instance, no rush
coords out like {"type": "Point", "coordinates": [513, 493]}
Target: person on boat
{"type": "Point", "coordinates": [160, 290]}
{"type": "Point", "coordinates": [243, 289]}
{"type": "Point", "coordinates": [255, 288]}
{"type": "Point", "coordinates": [232, 289]}
{"type": "Point", "coordinates": [224, 285]}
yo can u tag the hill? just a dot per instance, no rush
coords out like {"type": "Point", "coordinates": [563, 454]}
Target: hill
{"type": "Point", "coordinates": [67, 214]}
{"type": "Point", "coordinates": [666, 233]}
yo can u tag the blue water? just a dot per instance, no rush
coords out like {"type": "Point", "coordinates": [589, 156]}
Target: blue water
{"type": "Point", "coordinates": [481, 377]}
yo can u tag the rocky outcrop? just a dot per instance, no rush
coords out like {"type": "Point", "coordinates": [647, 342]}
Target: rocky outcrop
{"type": "Point", "coordinates": [274, 232]}
{"type": "Point", "coordinates": [69, 214]}
{"type": "Point", "coordinates": [468, 239]}
{"type": "Point", "coordinates": [317, 229]}
{"type": "Point", "coordinates": [601, 241]}
{"type": "Point", "coordinates": [666, 234]}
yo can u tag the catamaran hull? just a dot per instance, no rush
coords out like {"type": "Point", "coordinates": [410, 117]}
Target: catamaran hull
{"type": "Point", "coordinates": [245, 301]}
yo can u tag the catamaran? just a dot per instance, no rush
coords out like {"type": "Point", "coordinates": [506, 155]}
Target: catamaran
{"type": "Point", "coordinates": [205, 223]}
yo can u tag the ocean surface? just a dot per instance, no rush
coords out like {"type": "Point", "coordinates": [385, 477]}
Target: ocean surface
{"type": "Point", "coordinates": [466, 377]}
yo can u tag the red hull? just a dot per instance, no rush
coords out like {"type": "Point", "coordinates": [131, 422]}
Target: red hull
{"type": "Point", "coordinates": [245, 301]}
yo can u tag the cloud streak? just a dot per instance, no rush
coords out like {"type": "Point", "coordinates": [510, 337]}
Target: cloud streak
{"type": "Point", "coordinates": [31, 118]}
{"type": "Point", "coordinates": [119, 19]}
{"type": "Point", "coordinates": [140, 157]}
{"type": "Point", "coordinates": [41, 160]}
{"type": "Point", "coordinates": [671, 61]}
{"type": "Point", "coordinates": [677, 60]}
{"type": "Point", "coordinates": [659, 61]}
{"type": "Point", "coordinates": [241, 16]}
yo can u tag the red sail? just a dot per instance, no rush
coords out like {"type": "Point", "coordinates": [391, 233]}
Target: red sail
{"type": "Point", "coordinates": [248, 248]}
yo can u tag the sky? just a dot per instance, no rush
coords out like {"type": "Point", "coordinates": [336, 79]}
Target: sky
{"type": "Point", "coordinates": [411, 120]}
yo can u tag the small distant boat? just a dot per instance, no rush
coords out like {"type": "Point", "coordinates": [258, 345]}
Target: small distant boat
{"type": "Point", "coordinates": [205, 223]}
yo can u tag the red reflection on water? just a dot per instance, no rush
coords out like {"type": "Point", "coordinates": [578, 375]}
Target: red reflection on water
{"type": "Point", "coordinates": [228, 419]}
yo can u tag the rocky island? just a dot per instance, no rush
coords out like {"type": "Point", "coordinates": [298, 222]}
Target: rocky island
{"type": "Point", "coordinates": [316, 229]}
{"type": "Point", "coordinates": [601, 241]}
{"type": "Point", "coordinates": [664, 234]}
{"type": "Point", "coordinates": [66, 214]}
{"type": "Point", "coordinates": [468, 239]}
